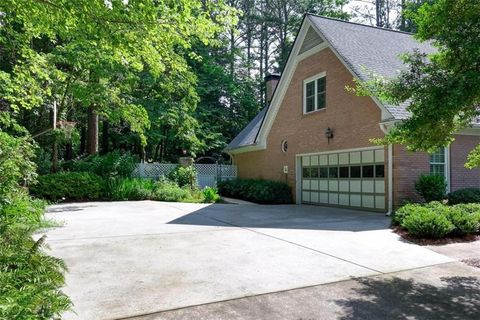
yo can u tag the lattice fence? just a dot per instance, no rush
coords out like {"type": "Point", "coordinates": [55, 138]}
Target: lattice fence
{"type": "Point", "coordinates": [207, 174]}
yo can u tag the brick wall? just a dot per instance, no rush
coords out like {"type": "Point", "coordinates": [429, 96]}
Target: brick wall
{"type": "Point", "coordinates": [354, 121]}
{"type": "Point", "coordinates": [407, 166]}
{"type": "Point", "coordinates": [461, 177]}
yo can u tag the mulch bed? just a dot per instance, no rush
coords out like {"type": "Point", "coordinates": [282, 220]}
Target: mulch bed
{"type": "Point", "coordinates": [425, 242]}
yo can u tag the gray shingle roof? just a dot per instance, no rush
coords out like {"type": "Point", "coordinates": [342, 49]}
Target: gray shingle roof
{"type": "Point", "coordinates": [368, 50]}
{"type": "Point", "coordinates": [365, 50]}
{"type": "Point", "coordinates": [248, 135]}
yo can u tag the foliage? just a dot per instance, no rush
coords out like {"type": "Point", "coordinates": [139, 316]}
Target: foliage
{"type": "Point", "coordinates": [170, 191]}
{"type": "Point", "coordinates": [15, 164]}
{"type": "Point", "coordinates": [260, 191]}
{"type": "Point", "coordinates": [426, 223]}
{"type": "Point", "coordinates": [441, 87]}
{"type": "Point", "coordinates": [210, 195]}
{"type": "Point", "coordinates": [184, 176]}
{"type": "Point", "coordinates": [30, 279]}
{"type": "Point", "coordinates": [466, 195]}
{"type": "Point", "coordinates": [69, 186]}
{"type": "Point", "coordinates": [431, 187]}
{"type": "Point", "coordinates": [113, 164]}
{"type": "Point", "coordinates": [129, 189]}
{"type": "Point", "coordinates": [436, 220]}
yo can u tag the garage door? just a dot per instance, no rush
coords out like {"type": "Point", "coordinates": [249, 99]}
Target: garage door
{"type": "Point", "coordinates": [350, 178]}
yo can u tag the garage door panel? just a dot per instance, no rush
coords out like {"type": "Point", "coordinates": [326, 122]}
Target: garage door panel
{"type": "Point", "coordinates": [333, 198]}
{"type": "Point", "coordinates": [344, 186]}
{"type": "Point", "coordinates": [356, 186]}
{"type": "Point", "coordinates": [355, 200]}
{"type": "Point", "coordinates": [380, 186]}
{"type": "Point", "coordinates": [333, 185]}
{"type": "Point", "coordinates": [367, 186]}
{"type": "Point", "coordinates": [314, 197]}
{"type": "Point", "coordinates": [323, 185]}
{"type": "Point", "coordinates": [314, 185]}
{"type": "Point", "coordinates": [323, 197]}
{"type": "Point", "coordinates": [344, 199]}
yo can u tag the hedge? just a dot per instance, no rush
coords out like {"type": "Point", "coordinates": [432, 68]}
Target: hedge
{"type": "Point", "coordinates": [467, 195]}
{"type": "Point", "coordinates": [256, 190]}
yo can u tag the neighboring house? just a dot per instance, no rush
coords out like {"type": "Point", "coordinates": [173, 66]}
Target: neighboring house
{"type": "Point", "coordinates": [316, 136]}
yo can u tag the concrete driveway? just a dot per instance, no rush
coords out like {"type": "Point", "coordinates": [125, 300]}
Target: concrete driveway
{"type": "Point", "coordinates": [130, 259]}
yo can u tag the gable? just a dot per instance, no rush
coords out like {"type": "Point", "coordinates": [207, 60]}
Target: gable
{"type": "Point", "coordinates": [312, 39]}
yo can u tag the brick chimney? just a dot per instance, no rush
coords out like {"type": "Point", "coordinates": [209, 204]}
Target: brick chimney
{"type": "Point", "coordinates": [271, 82]}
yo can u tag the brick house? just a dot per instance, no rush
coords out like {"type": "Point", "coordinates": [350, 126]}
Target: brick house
{"type": "Point", "coordinates": [315, 135]}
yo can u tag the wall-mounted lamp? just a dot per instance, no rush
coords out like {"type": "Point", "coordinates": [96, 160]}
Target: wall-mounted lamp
{"type": "Point", "coordinates": [329, 134]}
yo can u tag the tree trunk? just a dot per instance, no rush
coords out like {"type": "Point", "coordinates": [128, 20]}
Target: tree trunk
{"type": "Point", "coordinates": [68, 151]}
{"type": "Point", "coordinates": [54, 154]}
{"type": "Point", "coordinates": [105, 136]}
{"type": "Point", "coordinates": [92, 131]}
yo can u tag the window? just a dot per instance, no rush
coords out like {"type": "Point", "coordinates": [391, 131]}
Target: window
{"type": "Point", "coordinates": [379, 171]}
{"type": "Point", "coordinates": [315, 93]}
{"type": "Point", "coordinates": [367, 171]}
{"type": "Point", "coordinates": [333, 172]}
{"type": "Point", "coordinates": [343, 172]}
{"type": "Point", "coordinates": [355, 172]}
{"type": "Point", "coordinates": [437, 162]}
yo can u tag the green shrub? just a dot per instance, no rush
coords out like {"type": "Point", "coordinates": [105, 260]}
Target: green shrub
{"type": "Point", "coordinates": [30, 280]}
{"type": "Point", "coordinates": [129, 189]}
{"type": "Point", "coordinates": [210, 195]}
{"type": "Point", "coordinates": [68, 186]}
{"type": "Point", "coordinates": [424, 222]}
{"type": "Point", "coordinates": [113, 164]}
{"type": "Point", "coordinates": [259, 191]}
{"type": "Point", "coordinates": [464, 221]}
{"type": "Point", "coordinates": [170, 191]}
{"type": "Point", "coordinates": [403, 212]}
{"type": "Point", "coordinates": [184, 176]}
{"type": "Point", "coordinates": [431, 187]}
{"type": "Point", "coordinates": [467, 195]}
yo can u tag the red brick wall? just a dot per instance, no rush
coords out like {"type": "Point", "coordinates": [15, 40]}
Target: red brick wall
{"type": "Point", "coordinates": [461, 177]}
{"type": "Point", "coordinates": [353, 119]}
{"type": "Point", "coordinates": [407, 166]}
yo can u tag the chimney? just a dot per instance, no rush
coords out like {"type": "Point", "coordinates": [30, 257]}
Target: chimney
{"type": "Point", "coordinates": [271, 81]}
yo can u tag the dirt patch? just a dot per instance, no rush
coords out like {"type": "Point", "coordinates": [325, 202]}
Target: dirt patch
{"type": "Point", "coordinates": [434, 242]}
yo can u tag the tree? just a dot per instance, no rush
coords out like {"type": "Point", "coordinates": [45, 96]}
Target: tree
{"type": "Point", "coordinates": [441, 88]}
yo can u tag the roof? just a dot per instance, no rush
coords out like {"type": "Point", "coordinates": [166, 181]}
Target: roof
{"type": "Point", "coordinates": [248, 135]}
{"type": "Point", "coordinates": [365, 49]}
{"type": "Point", "coordinates": [370, 50]}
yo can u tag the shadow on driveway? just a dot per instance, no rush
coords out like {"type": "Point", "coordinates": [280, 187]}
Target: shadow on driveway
{"type": "Point", "coordinates": [285, 217]}
{"type": "Point", "coordinates": [395, 298]}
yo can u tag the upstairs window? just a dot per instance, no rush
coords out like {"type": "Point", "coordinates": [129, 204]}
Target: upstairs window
{"type": "Point", "coordinates": [314, 97]}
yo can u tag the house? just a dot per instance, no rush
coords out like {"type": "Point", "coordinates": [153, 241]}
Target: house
{"type": "Point", "coordinates": [316, 136]}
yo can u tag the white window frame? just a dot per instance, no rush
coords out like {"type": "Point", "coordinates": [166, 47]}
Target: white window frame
{"type": "Point", "coordinates": [315, 104]}
{"type": "Point", "coordinates": [446, 164]}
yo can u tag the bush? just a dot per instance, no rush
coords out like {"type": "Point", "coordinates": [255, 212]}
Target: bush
{"type": "Point", "coordinates": [129, 189]}
{"type": "Point", "coordinates": [431, 187]}
{"type": "Point", "coordinates": [467, 195]}
{"type": "Point", "coordinates": [210, 195]}
{"type": "Point", "coordinates": [30, 280]}
{"type": "Point", "coordinates": [169, 191]}
{"type": "Point", "coordinates": [465, 222]}
{"type": "Point", "coordinates": [259, 191]}
{"type": "Point", "coordinates": [424, 222]}
{"type": "Point", "coordinates": [184, 176]}
{"type": "Point", "coordinates": [69, 186]}
{"type": "Point", "coordinates": [113, 164]}
{"type": "Point", "coordinates": [403, 212]}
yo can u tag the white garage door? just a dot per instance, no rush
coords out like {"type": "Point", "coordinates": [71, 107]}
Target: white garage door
{"type": "Point", "coordinates": [351, 179]}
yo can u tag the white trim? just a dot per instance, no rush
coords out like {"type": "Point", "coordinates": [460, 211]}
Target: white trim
{"type": "Point", "coordinates": [312, 51]}
{"type": "Point", "coordinates": [390, 180]}
{"type": "Point", "coordinates": [341, 151]}
{"type": "Point", "coordinates": [448, 168]}
{"type": "Point", "coordinates": [313, 79]}
{"type": "Point", "coordinates": [298, 179]}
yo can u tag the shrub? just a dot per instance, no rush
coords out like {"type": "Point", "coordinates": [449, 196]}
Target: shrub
{"type": "Point", "coordinates": [259, 191]}
{"type": "Point", "coordinates": [169, 191]}
{"type": "Point", "coordinates": [403, 212]}
{"type": "Point", "coordinates": [431, 187]}
{"type": "Point", "coordinates": [210, 195]}
{"type": "Point", "coordinates": [184, 176]}
{"type": "Point", "coordinates": [424, 222]}
{"type": "Point", "coordinates": [467, 195]}
{"type": "Point", "coordinates": [69, 186]}
{"type": "Point", "coordinates": [113, 164]}
{"type": "Point", "coordinates": [129, 189]}
{"type": "Point", "coordinates": [465, 222]}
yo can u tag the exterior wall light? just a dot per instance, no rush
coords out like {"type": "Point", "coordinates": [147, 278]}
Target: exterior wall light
{"type": "Point", "coordinates": [329, 134]}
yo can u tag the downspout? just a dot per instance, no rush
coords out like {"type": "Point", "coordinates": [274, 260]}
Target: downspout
{"type": "Point", "coordinates": [384, 128]}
